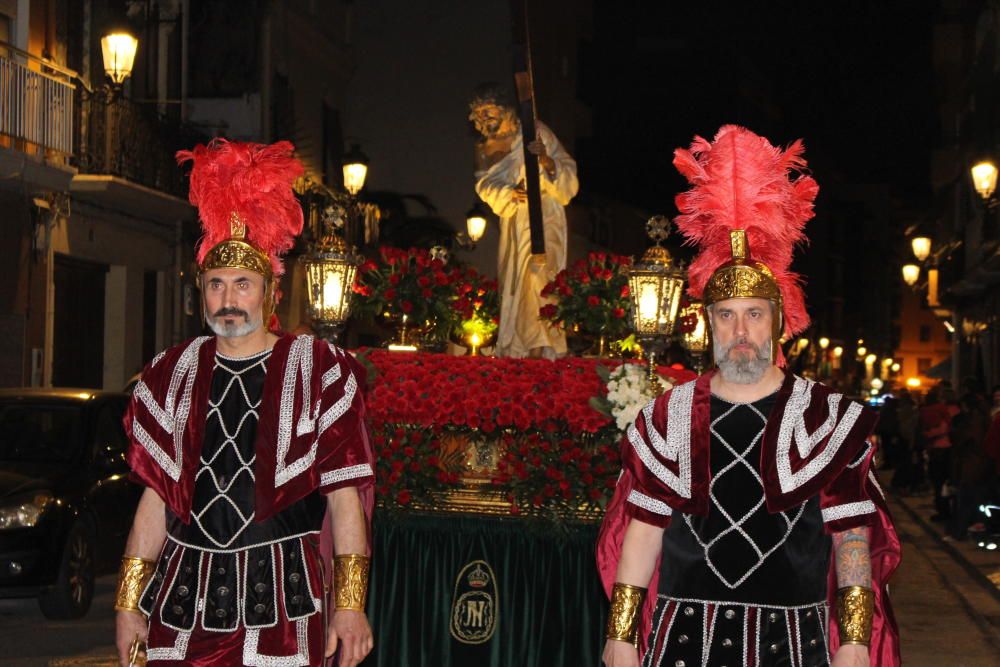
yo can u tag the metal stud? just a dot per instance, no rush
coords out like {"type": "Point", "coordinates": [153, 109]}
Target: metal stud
{"type": "Point", "coordinates": [813, 641]}
{"type": "Point", "coordinates": [689, 611]}
{"type": "Point", "coordinates": [222, 591]}
{"type": "Point", "coordinates": [730, 614]}
{"type": "Point", "coordinates": [773, 617]}
{"type": "Point", "coordinates": [809, 614]}
{"type": "Point", "coordinates": [261, 563]}
{"type": "Point", "coordinates": [260, 588]}
{"type": "Point", "coordinates": [221, 571]}
{"type": "Point", "coordinates": [727, 642]}
{"type": "Point", "coordinates": [773, 648]}
{"type": "Point", "coordinates": [682, 639]}
{"type": "Point", "coordinates": [294, 577]}
{"type": "Point", "coordinates": [296, 599]}
{"type": "Point", "coordinates": [259, 608]}
{"type": "Point", "coordinates": [183, 591]}
{"type": "Point", "coordinates": [177, 609]}
{"type": "Point", "coordinates": [221, 613]}
{"type": "Point", "coordinates": [679, 663]}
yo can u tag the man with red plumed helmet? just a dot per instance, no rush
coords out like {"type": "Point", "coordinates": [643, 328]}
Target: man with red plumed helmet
{"type": "Point", "coordinates": [747, 506]}
{"type": "Point", "coordinates": [253, 449]}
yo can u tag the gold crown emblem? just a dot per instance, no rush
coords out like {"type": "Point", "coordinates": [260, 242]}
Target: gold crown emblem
{"type": "Point", "coordinates": [478, 578]}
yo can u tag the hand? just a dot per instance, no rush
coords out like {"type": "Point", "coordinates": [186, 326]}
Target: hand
{"type": "Point", "coordinates": [128, 625]}
{"type": "Point", "coordinates": [519, 193]}
{"type": "Point", "coordinates": [620, 654]}
{"type": "Point", "coordinates": [547, 163]}
{"type": "Point", "coordinates": [351, 629]}
{"type": "Point", "coordinates": [851, 655]}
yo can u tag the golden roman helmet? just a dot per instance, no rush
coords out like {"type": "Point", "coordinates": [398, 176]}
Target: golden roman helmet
{"type": "Point", "coordinates": [744, 278]}
{"type": "Point", "coordinates": [237, 252]}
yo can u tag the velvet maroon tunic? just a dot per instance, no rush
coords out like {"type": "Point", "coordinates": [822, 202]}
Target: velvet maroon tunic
{"type": "Point", "coordinates": [815, 445]}
{"type": "Point", "coordinates": [310, 439]}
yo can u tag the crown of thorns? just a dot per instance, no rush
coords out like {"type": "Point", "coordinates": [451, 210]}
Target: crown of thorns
{"type": "Point", "coordinates": [491, 93]}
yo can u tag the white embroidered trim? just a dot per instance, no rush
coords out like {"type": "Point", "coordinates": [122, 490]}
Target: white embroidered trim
{"type": "Point", "coordinates": [676, 446]}
{"type": "Point", "coordinates": [745, 605]}
{"type": "Point", "coordinates": [197, 593]}
{"type": "Point", "coordinates": [871, 476]}
{"type": "Point", "coordinates": [274, 590]}
{"type": "Point", "coordinates": [301, 659]}
{"type": "Point", "coordinates": [198, 547]}
{"type": "Point", "coordinates": [793, 424]}
{"type": "Point", "coordinates": [650, 504]}
{"type": "Point", "coordinates": [666, 634]}
{"type": "Point", "coordinates": [305, 574]}
{"type": "Point", "coordinates": [172, 416]}
{"type": "Point", "coordinates": [846, 510]}
{"type": "Point", "coordinates": [864, 455]}
{"type": "Point", "coordinates": [177, 652]}
{"type": "Point", "coordinates": [330, 377]}
{"type": "Point", "coordinates": [203, 602]}
{"type": "Point", "coordinates": [286, 406]}
{"type": "Point", "coordinates": [341, 474]}
{"type": "Point", "coordinates": [337, 410]}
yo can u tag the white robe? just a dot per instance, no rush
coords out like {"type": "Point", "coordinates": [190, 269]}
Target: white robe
{"type": "Point", "coordinates": [521, 281]}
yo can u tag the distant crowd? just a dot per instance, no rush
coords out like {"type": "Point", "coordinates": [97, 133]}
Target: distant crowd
{"type": "Point", "coordinates": [946, 443]}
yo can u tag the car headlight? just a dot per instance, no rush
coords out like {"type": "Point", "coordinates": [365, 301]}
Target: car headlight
{"type": "Point", "coordinates": [23, 514]}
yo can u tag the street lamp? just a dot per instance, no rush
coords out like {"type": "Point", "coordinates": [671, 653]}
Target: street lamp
{"type": "Point", "coordinates": [984, 177]}
{"type": "Point", "coordinates": [330, 269]}
{"type": "Point", "coordinates": [118, 50]}
{"type": "Point", "coordinates": [824, 343]}
{"type": "Point", "coordinates": [475, 223]}
{"type": "Point", "coordinates": [921, 247]}
{"type": "Point", "coordinates": [911, 274]}
{"type": "Point", "coordinates": [355, 170]}
{"type": "Point", "coordinates": [655, 287]}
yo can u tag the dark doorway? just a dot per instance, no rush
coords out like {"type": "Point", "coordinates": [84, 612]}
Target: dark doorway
{"type": "Point", "coordinates": [78, 345]}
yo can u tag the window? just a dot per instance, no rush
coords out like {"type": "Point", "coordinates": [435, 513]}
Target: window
{"type": "Point", "coordinates": [923, 365]}
{"type": "Point", "coordinates": [925, 333]}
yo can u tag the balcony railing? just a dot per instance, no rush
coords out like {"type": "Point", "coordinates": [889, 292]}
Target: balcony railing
{"type": "Point", "coordinates": [36, 101]}
{"type": "Point", "coordinates": [119, 137]}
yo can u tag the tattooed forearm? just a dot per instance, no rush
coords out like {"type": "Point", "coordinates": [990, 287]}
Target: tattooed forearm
{"type": "Point", "coordinates": [854, 566]}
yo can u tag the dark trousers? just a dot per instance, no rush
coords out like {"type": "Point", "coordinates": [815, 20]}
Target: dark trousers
{"type": "Point", "coordinates": [938, 470]}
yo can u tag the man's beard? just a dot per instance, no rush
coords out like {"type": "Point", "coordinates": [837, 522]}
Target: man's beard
{"type": "Point", "coordinates": [231, 329]}
{"type": "Point", "coordinates": [743, 369]}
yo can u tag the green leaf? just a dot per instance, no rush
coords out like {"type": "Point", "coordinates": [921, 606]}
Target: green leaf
{"type": "Point", "coordinates": [602, 405]}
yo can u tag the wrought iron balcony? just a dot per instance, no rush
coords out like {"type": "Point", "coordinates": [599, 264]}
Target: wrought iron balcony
{"type": "Point", "coordinates": [36, 102]}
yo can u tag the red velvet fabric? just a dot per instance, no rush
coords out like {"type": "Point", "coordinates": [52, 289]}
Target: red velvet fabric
{"type": "Point", "coordinates": [835, 483]}
{"type": "Point", "coordinates": [343, 444]}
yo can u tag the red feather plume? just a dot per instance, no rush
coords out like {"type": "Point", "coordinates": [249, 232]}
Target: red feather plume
{"type": "Point", "coordinates": [741, 181]}
{"type": "Point", "coordinates": [255, 181]}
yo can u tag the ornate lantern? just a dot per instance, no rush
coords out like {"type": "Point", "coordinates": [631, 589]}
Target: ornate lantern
{"type": "Point", "coordinates": [330, 269]}
{"type": "Point", "coordinates": [655, 286]}
{"type": "Point", "coordinates": [355, 170]}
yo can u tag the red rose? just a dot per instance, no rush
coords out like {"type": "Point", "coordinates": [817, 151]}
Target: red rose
{"type": "Point", "coordinates": [414, 466]}
{"type": "Point", "coordinates": [394, 279]}
{"type": "Point", "coordinates": [618, 313]}
{"type": "Point", "coordinates": [593, 300]}
{"type": "Point", "coordinates": [406, 306]}
{"type": "Point", "coordinates": [424, 281]}
{"type": "Point", "coordinates": [625, 291]}
{"type": "Point", "coordinates": [403, 497]}
{"type": "Point", "coordinates": [409, 451]}
{"type": "Point", "coordinates": [426, 293]}
{"type": "Point", "coordinates": [548, 311]}
{"type": "Point", "coordinates": [390, 294]}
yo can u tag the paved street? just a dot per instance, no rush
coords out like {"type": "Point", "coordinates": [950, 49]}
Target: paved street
{"type": "Point", "coordinates": [946, 615]}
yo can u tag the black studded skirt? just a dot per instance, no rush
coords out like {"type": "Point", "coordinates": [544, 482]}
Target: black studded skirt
{"type": "Point", "coordinates": [692, 633]}
{"type": "Point", "coordinates": [265, 603]}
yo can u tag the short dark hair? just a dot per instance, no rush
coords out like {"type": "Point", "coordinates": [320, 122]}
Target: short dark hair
{"type": "Point", "coordinates": [491, 92]}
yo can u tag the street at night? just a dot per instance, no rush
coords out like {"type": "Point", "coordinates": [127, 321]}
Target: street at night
{"type": "Point", "coordinates": [499, 333]}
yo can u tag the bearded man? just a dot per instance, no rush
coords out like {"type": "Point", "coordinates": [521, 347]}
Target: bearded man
{"type": "Point", "coordinates": [747, 503]}
{"type": "Point", "coordinates": [499, 164]}
{"type": "Point", "coordinates": [252, 446]}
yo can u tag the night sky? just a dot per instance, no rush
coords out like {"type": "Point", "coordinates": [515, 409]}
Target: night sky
{"type": "Point", "coordinates": [853, 79]}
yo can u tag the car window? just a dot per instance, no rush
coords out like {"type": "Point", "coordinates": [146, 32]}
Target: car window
{"type": "Point", "coordinates": [39, 433]}
{"type": "Point", "coordinates": [109, 434]}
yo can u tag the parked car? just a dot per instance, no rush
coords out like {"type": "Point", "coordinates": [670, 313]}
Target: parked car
{"type": "Point", "coordinates": [66, 502]}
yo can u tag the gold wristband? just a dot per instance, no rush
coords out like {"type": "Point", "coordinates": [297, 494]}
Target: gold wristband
{"type": "Point", "coordinates": [350, 581]}
{"type": "Point", "coordinates": [133, 575]}
{"type": "Point", "coordinates": [855, 609]}
{"type": "Point", "coordinates": [623, 619]}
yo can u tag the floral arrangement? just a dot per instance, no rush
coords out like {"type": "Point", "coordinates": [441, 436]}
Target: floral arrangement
{"type": "Point", "coordinates": [555, 450]}
{"type": "Point", "coordinates": [405, 282]}
{"type": "Point", "coordinates": [591, 296]}
{"type": "Point", "coordinates": [628, 392]}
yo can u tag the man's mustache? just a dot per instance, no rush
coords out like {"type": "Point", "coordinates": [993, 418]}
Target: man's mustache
{"type": "Point", "coordinates": [222, 312]}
